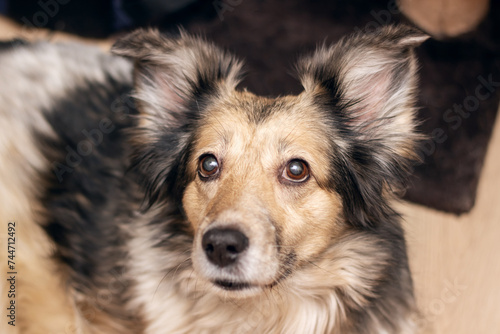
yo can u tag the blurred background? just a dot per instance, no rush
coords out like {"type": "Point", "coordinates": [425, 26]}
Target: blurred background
{"type": "Point", "coordinates": [454, 227]}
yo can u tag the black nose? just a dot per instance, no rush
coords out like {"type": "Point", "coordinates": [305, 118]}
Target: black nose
{"type": "Point", "coordinates": [223, 246]}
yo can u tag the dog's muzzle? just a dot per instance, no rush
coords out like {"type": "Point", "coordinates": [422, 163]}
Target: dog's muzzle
{"type": "Point", "coordinates": [236, 251]}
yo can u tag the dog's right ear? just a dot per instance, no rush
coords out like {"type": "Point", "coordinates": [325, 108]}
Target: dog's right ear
{"type": "Point", "coordinates": [175, 78]}
{"type": "Point", "coordinates": [173, 72]}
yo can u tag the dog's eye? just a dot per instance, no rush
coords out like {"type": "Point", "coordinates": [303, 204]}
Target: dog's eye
{"type": "Point", "coordinates": [296, 171]}
{"type": "Point", "coordinates": [208, 166]}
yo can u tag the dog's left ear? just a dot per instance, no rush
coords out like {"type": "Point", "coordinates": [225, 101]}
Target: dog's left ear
{"type": "Point", "coordinates": [366, 86]}
{"type": "Point", "coordinates": [175, 79]}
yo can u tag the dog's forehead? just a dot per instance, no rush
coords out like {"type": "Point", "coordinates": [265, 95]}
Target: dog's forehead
{"type": "Point", "coordinates": [251, 120]}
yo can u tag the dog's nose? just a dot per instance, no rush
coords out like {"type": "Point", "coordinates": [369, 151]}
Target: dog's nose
{"type": "Point", "coordinates": [223, 246]}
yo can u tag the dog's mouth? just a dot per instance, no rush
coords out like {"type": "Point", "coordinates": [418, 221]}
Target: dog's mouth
{"type": "Point", "coordinates": [239, 286]}
{"type": "Point", "coordinates": [232, 286]}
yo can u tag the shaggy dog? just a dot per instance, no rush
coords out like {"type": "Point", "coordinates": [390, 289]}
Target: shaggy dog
{"type": "Point", "coordinates": [150, 195]}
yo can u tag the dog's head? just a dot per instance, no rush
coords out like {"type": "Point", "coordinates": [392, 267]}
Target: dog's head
{"type": "Point", "coordinates": [267, 185]}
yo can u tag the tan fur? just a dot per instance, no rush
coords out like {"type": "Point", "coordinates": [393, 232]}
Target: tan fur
{"type": "Point", "coordinates": [253, 157]}
{"type": "Point", "coordinates": [248, 195]}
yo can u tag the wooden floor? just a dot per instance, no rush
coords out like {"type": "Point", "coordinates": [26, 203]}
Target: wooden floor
{"type": "Point", "coordinates": [455, 260]}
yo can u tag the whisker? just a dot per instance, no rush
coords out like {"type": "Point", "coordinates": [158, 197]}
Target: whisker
{"type": "Point", "coordinates": [319, 267]}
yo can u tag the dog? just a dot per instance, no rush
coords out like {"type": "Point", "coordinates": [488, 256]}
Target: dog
{"type": "Point", "coordinates": [148, 193]}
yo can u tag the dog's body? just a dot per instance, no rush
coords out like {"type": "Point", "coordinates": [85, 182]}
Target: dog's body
{"type": "Point", "coordinates": [198, 208]}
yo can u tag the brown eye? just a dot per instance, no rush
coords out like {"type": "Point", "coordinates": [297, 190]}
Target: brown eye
{"type": "Point", "coordinates": [296, 171]}
{"type": "Point", "coordinates": [208, 166]}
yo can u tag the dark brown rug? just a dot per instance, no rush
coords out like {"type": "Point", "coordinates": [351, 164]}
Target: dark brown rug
{"type": "Point", "coordinates": [460, 78]}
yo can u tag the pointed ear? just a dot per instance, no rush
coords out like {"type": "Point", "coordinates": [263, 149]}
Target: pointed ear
{"type": "Point", "coordinates": [369, 82]}
{"type": "Point", "coordinates": [173, 72]}
{"type": "Point", "coordinates": [366, 84]}
{"type": "Point", "coordinates": [175, 78]}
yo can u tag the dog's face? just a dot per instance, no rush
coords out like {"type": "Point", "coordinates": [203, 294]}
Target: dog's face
{"type": "Point", "coordinates": [256, 199]}
{"type": "Point", "coordinates": [267, 185]}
